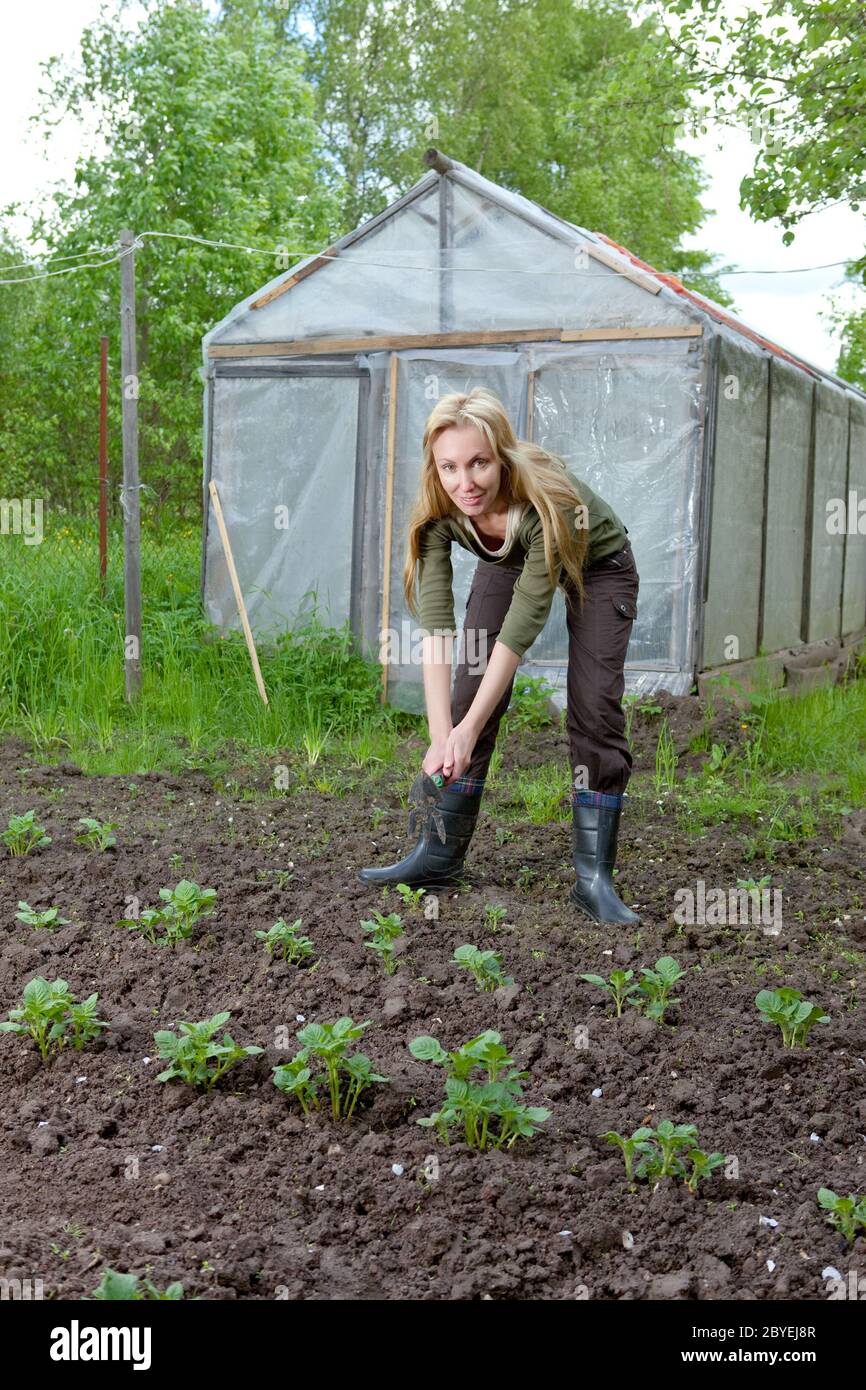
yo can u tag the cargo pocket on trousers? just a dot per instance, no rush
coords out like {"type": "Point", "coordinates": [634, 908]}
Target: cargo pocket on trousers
{"type": "Point", "coordinates": [625, 606]}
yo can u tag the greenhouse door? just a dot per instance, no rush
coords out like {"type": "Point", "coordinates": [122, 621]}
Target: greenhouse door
{"type": "Point", "coordinates": [282, 450]}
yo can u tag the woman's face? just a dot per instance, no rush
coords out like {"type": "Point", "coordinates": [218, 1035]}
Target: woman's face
{"type": "Point", "coordinates": [467, 468]}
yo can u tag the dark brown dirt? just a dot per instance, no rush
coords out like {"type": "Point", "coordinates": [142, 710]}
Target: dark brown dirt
{"type": "Point", "coordinates": [240, 1197]}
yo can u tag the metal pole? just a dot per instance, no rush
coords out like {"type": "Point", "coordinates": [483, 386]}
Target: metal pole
{"type": "Point", "coordinates": [130, 494]}
{"type": "Point", "coordinates": [103, 458]}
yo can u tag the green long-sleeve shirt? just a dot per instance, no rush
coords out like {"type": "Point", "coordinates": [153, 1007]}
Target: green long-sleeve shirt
{"type": "Point", "coordinates": [533, 591]}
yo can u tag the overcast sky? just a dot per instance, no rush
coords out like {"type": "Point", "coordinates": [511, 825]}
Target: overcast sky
{"type": "Point", "coordinates": [785, 307]}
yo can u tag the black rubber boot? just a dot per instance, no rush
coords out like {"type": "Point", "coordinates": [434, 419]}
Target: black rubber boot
{"type": "Point", "coordinates": [593, 851]}
{"type": "Point", "coordinates": [446, 830]}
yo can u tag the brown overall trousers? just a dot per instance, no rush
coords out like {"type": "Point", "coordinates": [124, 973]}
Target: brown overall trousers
{"type": "Point", "coordinates": [598, 638]}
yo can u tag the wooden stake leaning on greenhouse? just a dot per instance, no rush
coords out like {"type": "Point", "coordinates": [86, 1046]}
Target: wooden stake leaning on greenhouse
{"type": "Point", "coordinates": [239, 598]}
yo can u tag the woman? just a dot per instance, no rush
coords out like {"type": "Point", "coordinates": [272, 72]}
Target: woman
{"type": "Point", "coordinates": [534, 526]}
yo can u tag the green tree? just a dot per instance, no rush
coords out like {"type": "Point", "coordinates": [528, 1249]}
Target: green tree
{"type": "Point", "coordinates": [201, 127]}
{"type": "Point", "coordinates": [794, 72]}
{"type": "Point", "coordinates": [576, 107]}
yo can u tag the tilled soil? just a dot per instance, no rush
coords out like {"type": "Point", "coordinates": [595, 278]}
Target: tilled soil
{"type": "Point", "coordinates": [239, 1196]}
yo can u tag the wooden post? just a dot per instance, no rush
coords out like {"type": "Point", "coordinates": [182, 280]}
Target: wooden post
{"type": "Point", "coordinates": [130, 494]}
{"type": "Point", "coordinates": [239, 598]}
{"type": "Point", "coordinates": [103, 458]}
{"type": "Point", "coordinates": [389, 515]}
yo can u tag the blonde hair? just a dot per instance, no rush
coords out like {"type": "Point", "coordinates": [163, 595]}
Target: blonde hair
{"type": "Point", "coordinates": [529, 474]}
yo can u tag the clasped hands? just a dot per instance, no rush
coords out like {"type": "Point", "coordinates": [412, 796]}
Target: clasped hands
{"type": "Point", "coordinates": [452, 752]}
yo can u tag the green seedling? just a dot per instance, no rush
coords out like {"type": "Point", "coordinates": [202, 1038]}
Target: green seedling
{"type": "Point", "coordinates": [47, 919]}
{"type": "Point", "coordinates": [648, 707]}
{"type": "Point", "coordinates": [295, 1078]}
{"type": "Point", "coordinates": [845, 1213]}
{"type": "Point", "coordinates": [196, 1056]}
{"type": "Point", "coordinates": [150, 923]}
{"type": "Point", "coordinates": [183, 906]}
{"type": "Point", "coordinates": [128, 1288]}
{"type": "Point", "coordinates": [755, 885]}
{"type": "Point", "coordinates": [283, 936]}
{"type": "Point", "coordinates": [493, 916]}
{"type": "Point", "coordinates": [484, 966]}
{"type": "Point", "coordinates": [475, 1103]}
{"type": "Point", "coordinates": [717, 759]}
{"type": "Point", "coordinates": [663, 1152]}
{"type": "Point", "coordinates": [329, 1042]}
{"type": "Point", "coordinates": [48, 1010]}
{"type": "Point", "coordinates": [82, 1023]}
{"type": "Point", "coordinates": [22, 835]}
{"type": "Point", "coordinates": [525, 876]}
{"type": "Point", "coordinates": [664, 1161]}
{"type": "Point", "coordinates": [411, 896]}
{"type": "Point", "coordinates": [638, 1144]}
{"type": "Point", "coordinates": [656, 986]}
{"type": "Point", "coordinates": [385, 932]}
{"type": "Point", "coordinates": [670, 1138]}
{"type": "Point", "coordinates": [618, 986]}
{"type": "Point", "coordinates": [703, 1166]}
{"type": "Point", "coordinates": [95, 834]}
{"type": "Point", "coordinates": [793, 1014]}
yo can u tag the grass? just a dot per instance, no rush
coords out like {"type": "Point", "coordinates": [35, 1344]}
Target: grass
{"type": "Point", "coordinates": [538, 796]}
{"type": "Point", "coordinates": [803, 761]}
{"type": "Point", "coordinates": [62, 676]}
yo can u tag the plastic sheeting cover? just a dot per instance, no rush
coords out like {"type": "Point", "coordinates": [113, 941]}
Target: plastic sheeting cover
{"type": "Point", "coordinates": [500, 272]}
{"type": "Point", "coordinates": [284, 465]}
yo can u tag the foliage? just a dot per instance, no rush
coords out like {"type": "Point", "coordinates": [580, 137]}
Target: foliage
{"type": "Point", "coordinates": [195, 1055]}
{"type": "Point", "coordinates": [411, 896]}
{"type": "Point", "coordinates": [484, 966]}
{"type": "Point", "coordinates": [97, 834]}
{"type": "Point", "coordinates": [795, 85]}
{"type": "Point", "coordinates": [22, 835]}
{"type": "Point", "coordinates": [664, 1152]}
{"type": "Point", "coordinates": [385, 932]}
{"type": "Point", "coordinates": [50, 1015]}
{"type": "Point", "coordinates": [62, 685]}
{"type": "Point", "coordinates": [793, 1014]}
{"type": "Point", "coordinates": [476, 1104]}
{"type": "Point", "coordinates": [48, 918]}
{"type": "Point", "coordinates": [666, 761]}
{"type": "Point", "coordinates": [529, 707]}
{"type": "Point", "coordinates": [284, 936]}
{"type": "Point", "coordinates": [493, 915]}
{"type": "Point", "coordinates": [618, 986]}
{"type": "Point", "coordinates": [330, 1043]}
{"type": "Point", "coordinates": [845, 1213]}
{"type": "Point", "coordinates": [183, 906]}
{"type": "Point", "coordinates": [196, 126]}
{"type": "Point", "coordinates": [656, 986]}
{"type": "Point", "coordinates": [117, 1287]}
{"type": "Point", "coordinates": [279, 127]}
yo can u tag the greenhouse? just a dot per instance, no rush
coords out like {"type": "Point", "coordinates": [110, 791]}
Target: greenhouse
{"type": "Point", "coordinates": [726, 456]}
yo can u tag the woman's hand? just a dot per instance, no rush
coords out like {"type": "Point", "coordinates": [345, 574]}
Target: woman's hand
{"type": "Point", "coordinates": [452, 754]}
{"type": "Point", "coordinates": [435, 755]}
